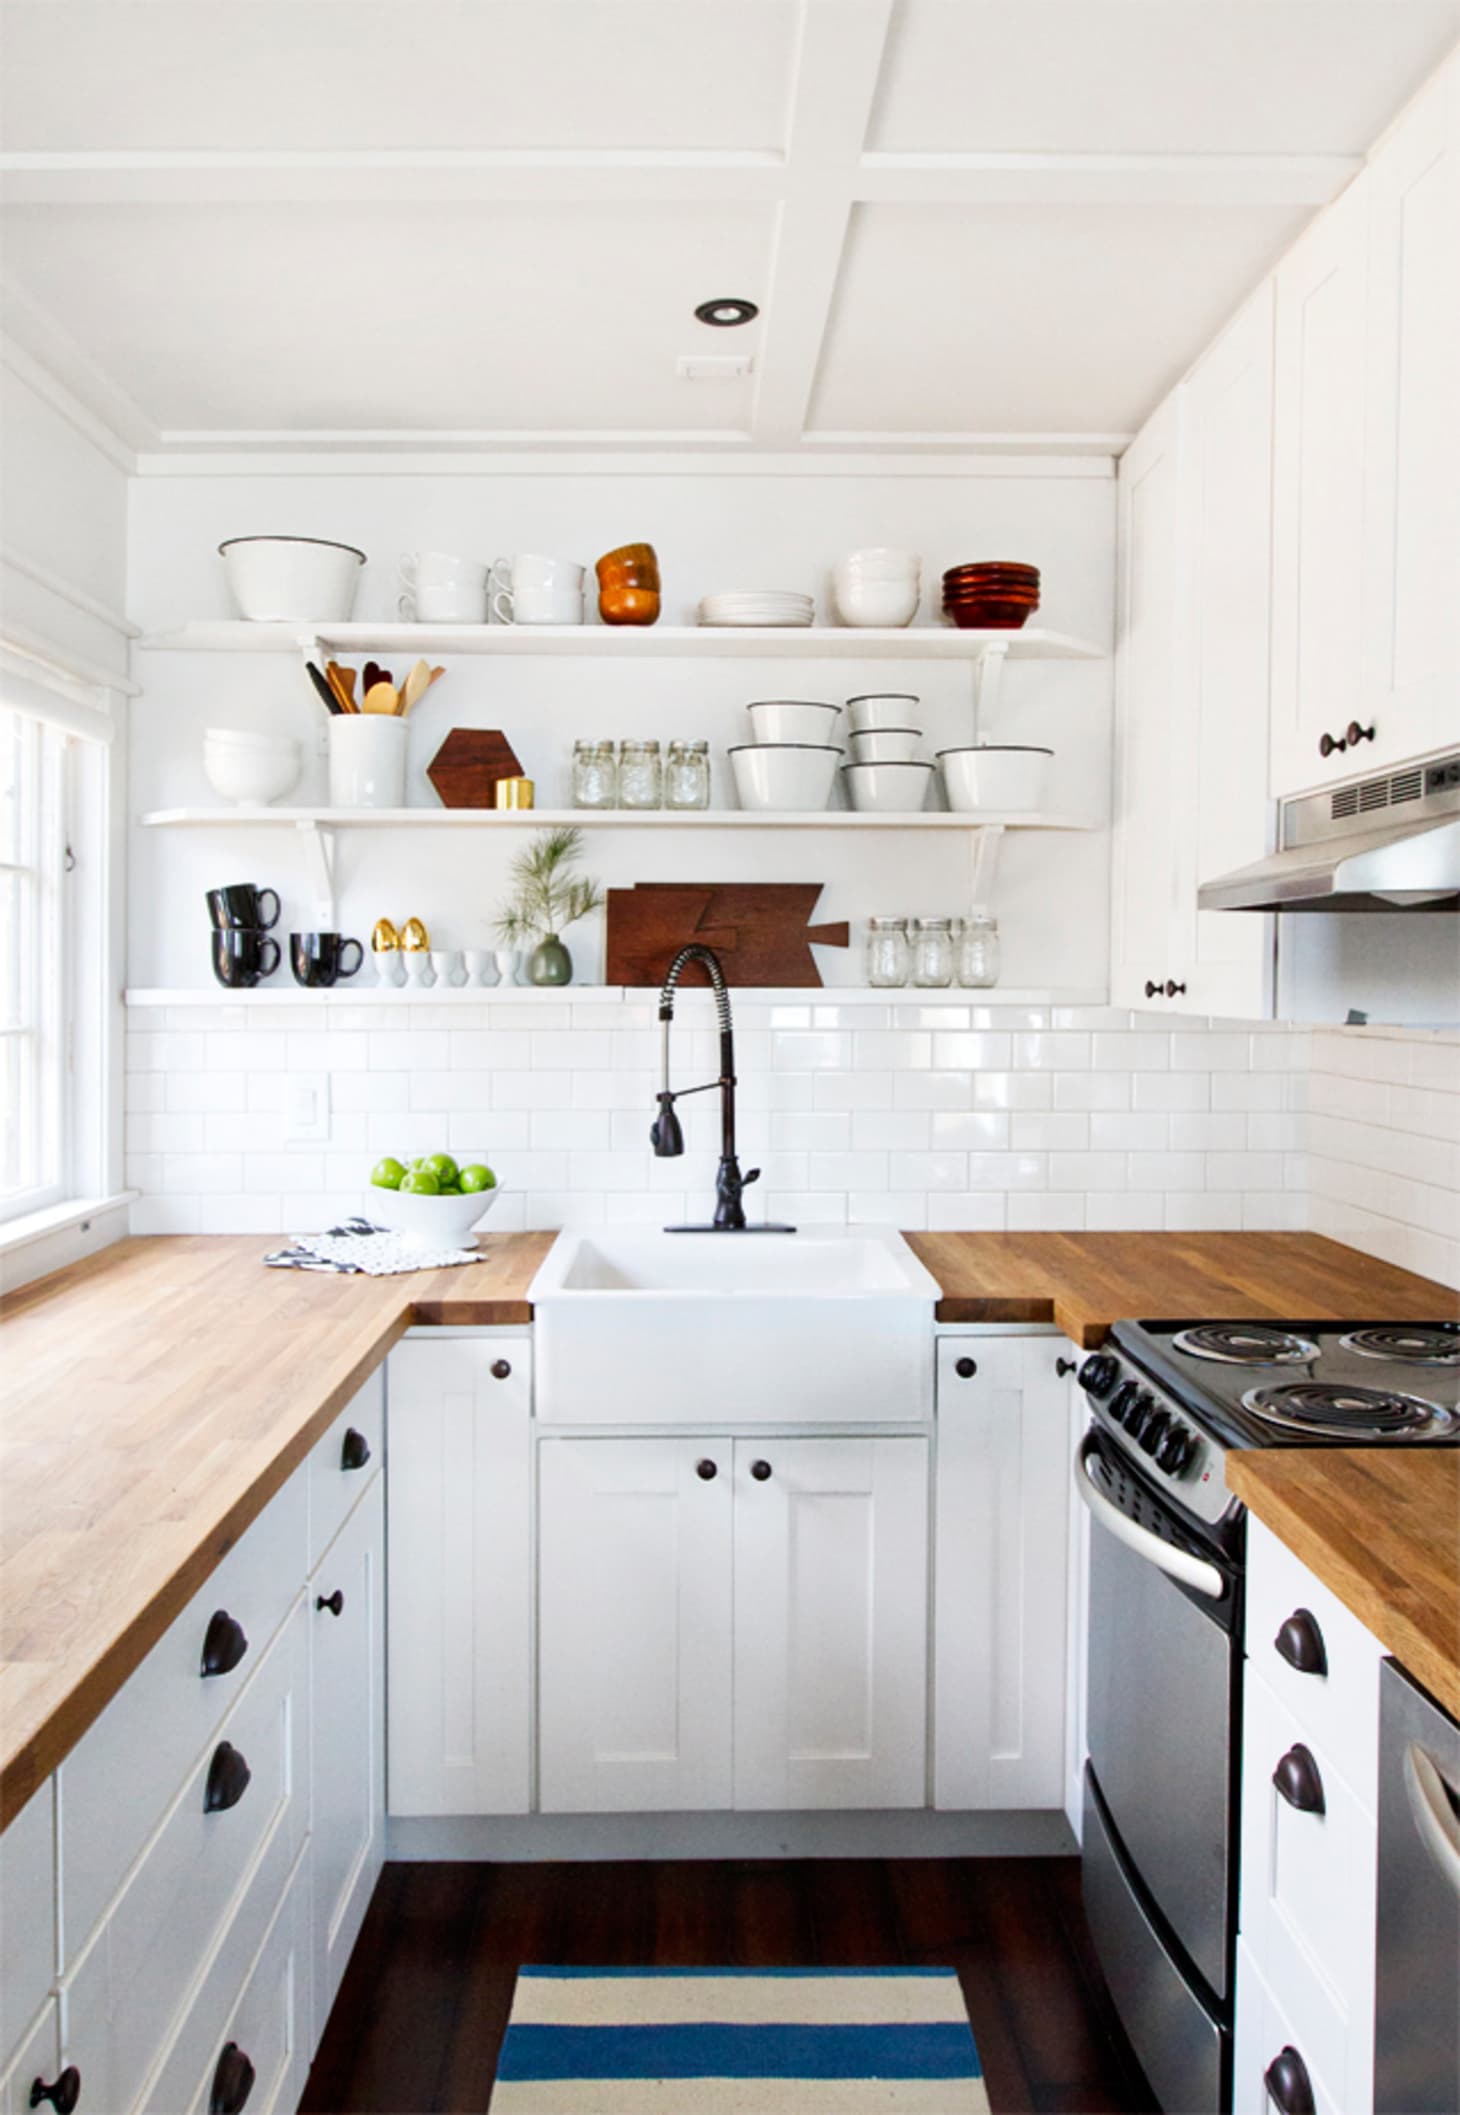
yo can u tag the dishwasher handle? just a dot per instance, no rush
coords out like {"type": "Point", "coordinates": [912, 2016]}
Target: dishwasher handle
{"type": "Point", "coordinates": [1177, 1564]}
{"type": "Point", "coordinates": [1434, 1816]}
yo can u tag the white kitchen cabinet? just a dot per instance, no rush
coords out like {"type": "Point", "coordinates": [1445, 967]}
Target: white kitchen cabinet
{"type": "Point", "coordinates": [1411, 647]}
{"type": "Point", "coordinates": [634, 1615]}
{"type": "Point", "coordinates": [346, 1614]}
{"type": "Point", "coordinates": [27, 1915]}
{"type": "Point", "coordinates": [1000, 1604]}
{"type": "Point", "coordinates": [831, 1623]}
{"type": "Point", "coordinates": [460, 1586]}
{"type": "Point", "coordinates": [1318, 495]}
{"type": "Point", "coordinates": [1077, 1606]}
{"type": "Point", "coordinates": [37, 2061]}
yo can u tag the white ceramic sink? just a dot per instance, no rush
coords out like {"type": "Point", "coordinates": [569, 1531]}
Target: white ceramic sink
{"type": "Point", "coordinates": [641, 1327]}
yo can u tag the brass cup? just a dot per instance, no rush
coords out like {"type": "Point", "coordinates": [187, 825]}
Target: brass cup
{"type": "Point", "coordinates": [513, 793]}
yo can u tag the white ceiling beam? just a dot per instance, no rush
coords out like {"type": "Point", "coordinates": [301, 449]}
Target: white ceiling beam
{"type": "Point", "coordinates": [840, 47]}
{"type": "Point", "coordinates": [1104, 179]}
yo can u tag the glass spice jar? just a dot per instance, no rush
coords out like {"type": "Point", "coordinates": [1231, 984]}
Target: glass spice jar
{"type": "Point", "coordinates": [978, 950]}
{"type": "Point", "coordinates": [595, 775]}
{"type": "Point", "coordinates": [932, 953]}
{"type": "Point", "coordinates": [640, 775]}
{"type": "Point", "coordinates": [687, 775]}
{"type": "Point", "coordinates": [887, 955]}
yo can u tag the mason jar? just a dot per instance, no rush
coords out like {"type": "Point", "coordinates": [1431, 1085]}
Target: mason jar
{"type": "Point", "coordinates": [887, 956]}
{"type": "Point", "coordinates": [687, 775]}
{"type": "Point", "coordinates": [978, 951]}
{"type": "Point", "coordinates": [932, 953]}
{"type": "Point", "coordinates": [595, 776]}
{"type": "Point", "coordinates": [640, 775]}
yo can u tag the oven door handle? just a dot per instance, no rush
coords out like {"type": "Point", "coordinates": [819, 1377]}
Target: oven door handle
{"type": "Point", "coordinates": [1434, 1817]}
{"type": "Point", "coordinates": [1177, 1564]}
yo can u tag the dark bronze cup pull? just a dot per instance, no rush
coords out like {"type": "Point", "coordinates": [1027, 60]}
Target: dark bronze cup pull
{"type": "Point", "coordinates": [334, 1602]}
{"type": "Point", "coordinates": [1287, 2081]}
{"type": "Point", "coordinates": [232, 2081]}
{"type": "Point", "coordinates": [228, 1776]}
{"type": "Point", "coordinates": [1300, 1643]}
{"type": "Point", "coordinates": [354, 1450]}
{"type": "Point", "coordinates": [224, 1643]}
{"type": "Point", "coordinates": [64, 2094]}
{"type": "Point", "coordinates": [707, 1470]}
{"type": "Point", "coordinates": [760, 1470]}
{"type": "Point", "coordinates": [1297, 1778]}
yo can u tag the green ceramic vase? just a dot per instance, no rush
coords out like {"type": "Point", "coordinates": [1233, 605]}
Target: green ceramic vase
{"type": "Point", "coordinates": [551, 963]}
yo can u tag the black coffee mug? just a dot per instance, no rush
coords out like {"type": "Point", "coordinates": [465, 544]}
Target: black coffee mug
{"type": "Point", "coordinates": [242, 957]}
{"type": "Point", "coordinates": [242, 906]}
{"type": "Point", "coordinates": [319, 958]}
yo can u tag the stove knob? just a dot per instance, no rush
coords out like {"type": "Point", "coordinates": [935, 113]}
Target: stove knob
{"type": "Point", "coordinates": [1176, 1450]}
{"type": "Point", "coordinates": [1097, 1375]}
{"type": "Point", "coordinates": [1154, 1430]}
{"type": "Point", "coordinates": [1120, 1403]}
{"type": "Point", "coordinates": [1143, 1407]}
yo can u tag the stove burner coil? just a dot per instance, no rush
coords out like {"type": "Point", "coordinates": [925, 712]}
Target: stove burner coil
{"type": "Point", "coordinates": [1344, 1412]}
{"type": "Point", "coordinates": [1412, 1344]}
{"type": "Point", "coordinates": [1245, 1344]}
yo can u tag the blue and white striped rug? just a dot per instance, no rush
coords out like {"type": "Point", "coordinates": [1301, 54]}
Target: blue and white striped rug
{"type": "Point", "coordinates": [729, 2041]}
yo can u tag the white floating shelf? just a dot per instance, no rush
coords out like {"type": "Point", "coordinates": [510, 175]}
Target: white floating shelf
{"type": "Point", "coordinates": [366, 993]}
{"type": "Point", "coordinates": [626, 642]}
{"type": "Point", "coordinates": [595, 819]}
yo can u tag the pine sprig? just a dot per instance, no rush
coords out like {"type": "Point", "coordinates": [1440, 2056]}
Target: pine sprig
{"type": "Point", "coordinates": [547, 899]}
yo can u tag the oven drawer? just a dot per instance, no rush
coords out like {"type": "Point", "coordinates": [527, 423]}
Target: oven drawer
{"type": "Point", "coordinates": [1337, 1709]}
{"type": "Point", "coordinates": [1307, 1910]}
{"type": "Point", "coordinates": [1265, 2035]}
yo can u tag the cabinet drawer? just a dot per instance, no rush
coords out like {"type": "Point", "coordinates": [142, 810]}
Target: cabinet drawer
{"type": "Point", "coordinates": [269, 2021]}
{"type": "Point", "coordinates": [1264, 2031]}
{"type": "Point", "coordinates": [342, 1465]}
{"type": "Point", "coordinates": [38, 2057]}
{"type": "Point", "coordinates": [141, 1970]}
{"type": "Point", "coordinates": [1337, 1710]}
{"type": "Point", "coordinates": [115, 1786]}
{"type": "Point", "coordinates": [27, 1915]}
{"type": "Point", "coordinates": [1308, 1894]}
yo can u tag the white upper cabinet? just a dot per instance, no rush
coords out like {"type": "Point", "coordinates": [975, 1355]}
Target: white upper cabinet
{"type": "Point", "coordinates": [1411, 663]}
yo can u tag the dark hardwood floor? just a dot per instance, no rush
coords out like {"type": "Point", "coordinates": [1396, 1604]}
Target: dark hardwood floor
{"type": "Point", "coordinates": [425, 1999]}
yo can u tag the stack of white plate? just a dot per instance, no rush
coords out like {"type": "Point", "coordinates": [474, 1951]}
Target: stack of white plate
{"type": "Point", "coordinates": [768, 606]}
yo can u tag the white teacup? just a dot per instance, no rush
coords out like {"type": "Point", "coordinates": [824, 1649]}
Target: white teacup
{"type": "Point", "coordinates": [442, 589]}
{"type": "Point", "coordinates": [530, 589]}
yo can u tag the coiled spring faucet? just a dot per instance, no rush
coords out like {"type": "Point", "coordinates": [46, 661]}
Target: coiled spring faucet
{"type": "Point", "coordinates": [665, 1134]}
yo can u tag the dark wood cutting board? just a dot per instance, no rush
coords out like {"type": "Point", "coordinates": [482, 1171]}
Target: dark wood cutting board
{"type": "Point", "coordinates": [759, 929]}
{"type": "Point", "coordinates": [467, 766]}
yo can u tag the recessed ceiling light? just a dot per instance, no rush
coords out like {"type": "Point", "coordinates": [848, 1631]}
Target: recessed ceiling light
{"type": "Point", "coordinates": [725, 314]}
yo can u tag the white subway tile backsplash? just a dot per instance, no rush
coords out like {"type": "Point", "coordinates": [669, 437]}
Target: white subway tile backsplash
{"type": "Point", "coordinates": [1054, 1052]}
{"type": "Point", "coordinates": [1052, 1214]}
{"type": "Point", "coordinates": [494, 1049]}
{"type": "Point", "coordinates": [1210, 1053]}
{"type": "Point", "coordinates": [1206, 1132]}
{"type": "Point", "coordinates": [585, 1129]}
{"type": "Point", "coordinates": [928, 1171]}
{"type": "Point", "coordinates": [410, 1050]}
{"type": "Point", "coordinates": [971, 1212]}
{"type": "Point", "coordinates": [1063, 1130]}
{"type": "Point", "coordinates": [972, 1130]}
{"type": "Point", "coordinates": [1108, 1091]}
{"type": "Point", "coordinates": [977, 1050]}
{"type": "Point", "coordinates": [907, 1130]}
{"type": "Point", "coordinates": [1131, 1053]}
{"type": "Point", "coordinates": [1171, 1091]}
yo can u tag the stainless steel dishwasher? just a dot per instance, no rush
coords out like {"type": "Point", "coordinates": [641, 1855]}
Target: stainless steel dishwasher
{"type": "Point", "coordinates": [1417, 2023]}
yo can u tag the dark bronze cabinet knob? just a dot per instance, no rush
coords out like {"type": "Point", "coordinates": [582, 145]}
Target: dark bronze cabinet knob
{"type": "Point", "coordinates": [1300, 1642]}
{"type": "Point", "coordinates": [1353, 734]}
{"type": "Point", "coordinates": [354, 1450]}
{"type": "Point", "coordinates": [334, 1602]}
{"type": "Point", "coordinates": [965, 1368]}
{"type": "Point", "coordinates": [1297, 1778]}
{"type": "Point", "coordinates": [1153, 990]}
{"type": "Point", "coordinates": [707, 1470]}
{"type": "Point", "coordinates": [64, 2093]}
{"type": "Point", "coordinates": [224, 1643]}
{"type": "Point", "coordinates": [760, 1470]}
{"type": "Point", "coordinates": [1175, 990]}
{"type": "Point", "coordinates": [232, 2081]}
{"type": "Point", "coordinates": [501, 1370]}
{"type": "Point", "coordinates": [1287, 2081]}
{"type": "Point", "coordinates": [228, 1776]}
{"type": "Point", "coordinates": [1064, 1366]}
{"type": "Point", "coordinates": [1331, 745]}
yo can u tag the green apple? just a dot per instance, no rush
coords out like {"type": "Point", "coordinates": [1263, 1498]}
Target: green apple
{"type": "Point", "coordinates": [442, 1166]}
{"type": "Point", "coordinates": [475, 1177]}
{"type": "Point", "coordinates": [387, 1174]}
{"type": "Point", "coordinates": [421, 1182]}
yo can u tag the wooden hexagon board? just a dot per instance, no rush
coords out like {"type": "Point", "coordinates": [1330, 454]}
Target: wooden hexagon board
{"type": "Point", "coordinates": [467, 766]}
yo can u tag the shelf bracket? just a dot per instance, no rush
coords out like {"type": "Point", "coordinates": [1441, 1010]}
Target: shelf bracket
{"type": "Point", "coordinates": [326, 845]}
{"type": "Point", "coordinates": [985, 846]}
{"type": "Point", "coordinates": [988, 675]}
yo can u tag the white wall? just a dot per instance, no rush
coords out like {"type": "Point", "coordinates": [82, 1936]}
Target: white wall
{"type": "Point", "coordinates": [711, 531]}
{"type": "Point", "coordinates": [1383, 1133]}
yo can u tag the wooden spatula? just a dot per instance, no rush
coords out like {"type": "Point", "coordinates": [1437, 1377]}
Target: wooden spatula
{"type": "Point", "coordinates": [418, 682]}
{"type": "Point", "coordinates": [381, 697]}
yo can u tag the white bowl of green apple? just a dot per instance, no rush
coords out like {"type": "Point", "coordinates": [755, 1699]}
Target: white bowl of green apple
{"type": "Point", "coordinates": [435, 1199]}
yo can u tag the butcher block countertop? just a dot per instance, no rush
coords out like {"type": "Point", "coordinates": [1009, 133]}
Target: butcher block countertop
{"type": "Point", "coordinates": [1381, 1528]}
{"type": "Point", "coordinates": [155, 1397]}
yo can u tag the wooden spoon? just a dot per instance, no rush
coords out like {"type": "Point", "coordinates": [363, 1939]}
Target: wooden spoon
{"type": "Point", "coordinates": [342, 695]}
{"type": "Point", "coordinates": [381, 697]}
{"type": "Point", "coordinates": [418, 682]}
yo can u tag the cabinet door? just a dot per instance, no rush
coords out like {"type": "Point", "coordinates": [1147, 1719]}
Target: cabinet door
{"type": "Point", "coordinates": [999, 1602]}
{"type": "Point", "coordinates": [1148, 677]}
{"type": "Point", "coordinates": [1077, 1607]}
{"type": "Point", "coordinates": [347, 1738]}
{"type": "Point", "coordinates": [1411, 638]}
{"type": "Point", "coordinates": [1318, 494]}
{"type": "Point", "coordinates": [460, 1599]}
{"type": "Point", "coordinates": [831, 1623]}
{"type": "Point", "coordinates": [634, 1582]}
{"type": "Point", "coordinates": [1220, 725]}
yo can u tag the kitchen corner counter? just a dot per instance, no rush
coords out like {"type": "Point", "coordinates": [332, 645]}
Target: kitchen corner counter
{"type": "Point", "coordinates": [1380, 1526]}
{"type": "Point", "coordinates": [158, 1394]}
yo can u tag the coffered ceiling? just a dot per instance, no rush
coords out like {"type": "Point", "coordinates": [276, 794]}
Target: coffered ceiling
{"type": "Point", "coordinates": [427, 225]}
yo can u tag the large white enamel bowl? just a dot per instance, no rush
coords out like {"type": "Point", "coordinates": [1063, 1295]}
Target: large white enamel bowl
{"type": "Point", "coordinates": [430, 1222]}
{"type": "Point", "coordinates": [292, 579]}
{"type": "Point", "coordinates": [996, 775]}
{"type": "Point", "coordinates": [635, 1326]}
{"type": "Point", "coordinates": [887, 789]}
{"type": "Point", "coordinates": [778, 720]}
{"type": "Point", "coordinates": [792, 775]}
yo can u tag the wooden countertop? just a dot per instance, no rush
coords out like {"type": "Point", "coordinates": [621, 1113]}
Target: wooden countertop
{"type": "Point", "coordinates": [157, 1395]}
{"type": "Point", "coordinates": [1381, 1528]}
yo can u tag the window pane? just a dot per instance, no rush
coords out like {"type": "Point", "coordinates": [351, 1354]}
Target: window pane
{"type": "Point", "coordinates": [12, 732]}
{"type": "Point", "coordinates": [33, 965]}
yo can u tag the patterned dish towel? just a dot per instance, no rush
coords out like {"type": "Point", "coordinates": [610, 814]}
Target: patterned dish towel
{"type": "Point", "coordinates": [359, 1247]}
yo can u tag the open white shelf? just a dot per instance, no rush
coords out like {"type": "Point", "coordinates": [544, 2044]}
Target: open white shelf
{"type": "Point", "coordinates": [626, 642]}
{"type": "Point", "coordinates": [330, 819]}
{"type": "Point", "coordinates": [362, 991]}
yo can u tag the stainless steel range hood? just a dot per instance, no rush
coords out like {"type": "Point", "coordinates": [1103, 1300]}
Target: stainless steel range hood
{"type": "Point", "coordinates": [1387, 843]}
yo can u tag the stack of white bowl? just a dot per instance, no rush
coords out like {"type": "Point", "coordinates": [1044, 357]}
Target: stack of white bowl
{"type": "Point", "coordinates": [768, 607]}
{"type": "Point", "coordinates": [886, 776]}
{"type": "Point", "coordinates": [250, 768]}
{"type": "Point", "coordinates": [790, 760]}
{"type": "Point", "coordinates": [878, 588]}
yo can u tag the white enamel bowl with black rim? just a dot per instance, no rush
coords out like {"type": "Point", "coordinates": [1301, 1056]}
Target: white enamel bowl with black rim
{"type": "Point", "coordinates": [797, 776]}
{"type": "Point", "coordinates": [887, 789]}
{"type": "Point", "coordinates": [996, 775]}
{"type": "Point", "coordinates": [792, 720]}
{"type": "Point", "coordinates": [292, 579]}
